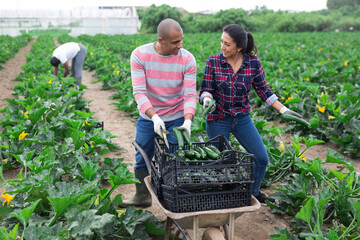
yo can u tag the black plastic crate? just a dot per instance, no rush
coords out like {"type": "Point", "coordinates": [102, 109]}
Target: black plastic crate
{"type": "Point", "coordinates": [180, 200]}
{"type": "Point", "coordinates": [156, 181]}
{"type": "Point", "coordinates": [232, 167]}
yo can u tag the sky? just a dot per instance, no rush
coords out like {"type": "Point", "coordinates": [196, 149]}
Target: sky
{"type": "Point", "coordinates": [189, 5]}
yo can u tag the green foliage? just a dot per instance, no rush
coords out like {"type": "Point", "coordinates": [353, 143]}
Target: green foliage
{"type": "Point", "coordinates": [336, 4]}
{"type": "Point", "coordinates": [154, 15]}
{"type": "Point", "coordinates": [341, 15]}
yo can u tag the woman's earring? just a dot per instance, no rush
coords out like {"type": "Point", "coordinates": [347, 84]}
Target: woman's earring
{"type": "Point", "coordinates": [239, 50]}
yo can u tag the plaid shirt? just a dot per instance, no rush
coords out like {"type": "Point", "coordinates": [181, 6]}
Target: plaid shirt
{"type": "Point", "coordinates": [231, 91]}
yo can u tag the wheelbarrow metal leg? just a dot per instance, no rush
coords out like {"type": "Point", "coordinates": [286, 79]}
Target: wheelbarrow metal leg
{"type": "Point", "coordinates": [167, 228]}
{"type": "Point", "coordinates": [231, 226]}
{"type": "Point", "coordinates": [196, 227]}
{"type": "Point", "coordinates": [226, 232]}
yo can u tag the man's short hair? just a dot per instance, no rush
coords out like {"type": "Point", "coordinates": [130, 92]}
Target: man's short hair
{"type": "Point", "coordinates": [54, 61]}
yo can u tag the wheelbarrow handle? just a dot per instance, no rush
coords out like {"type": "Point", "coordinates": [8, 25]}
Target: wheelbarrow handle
{"type": "Point", "coordinates": [144, 155]}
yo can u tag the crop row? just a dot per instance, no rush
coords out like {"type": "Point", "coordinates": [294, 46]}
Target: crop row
{"type": "Point", "coordinates": [10, 45]}
{"type": "Point", "coordinates": [48, 133]}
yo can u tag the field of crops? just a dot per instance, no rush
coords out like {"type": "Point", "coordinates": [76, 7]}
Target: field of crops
{"type": "Point", "coordinates": [48, 132]}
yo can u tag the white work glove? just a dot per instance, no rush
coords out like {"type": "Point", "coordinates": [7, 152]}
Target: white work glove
{"type": "Point", "coordinates": [158, 124]}
{"type": "Point", "coordinates": [285, 110]}
{"type": "Point", "coordinates": [186, 126]}
{"type": "Point", "coordinates": [206, 102]}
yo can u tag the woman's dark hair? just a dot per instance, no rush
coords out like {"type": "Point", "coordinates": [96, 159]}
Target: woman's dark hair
{"type": "Point", "coordinates": [54, 61]}
{"type": "Point", "coordinates": [243, 39]}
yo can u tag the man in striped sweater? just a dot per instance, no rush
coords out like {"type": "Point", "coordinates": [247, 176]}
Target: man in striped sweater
{"type": "Point", "coordinates": [164, 86]}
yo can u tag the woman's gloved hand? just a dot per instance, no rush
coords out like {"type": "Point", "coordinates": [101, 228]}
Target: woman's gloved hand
{"type": "Point", "coordinates": [206, 102]}
{"type": "Point", "coordinates": [285, 110]}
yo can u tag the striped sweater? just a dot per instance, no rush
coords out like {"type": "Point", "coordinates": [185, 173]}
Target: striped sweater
{"type": "Point", "coordinates": [165, 83]}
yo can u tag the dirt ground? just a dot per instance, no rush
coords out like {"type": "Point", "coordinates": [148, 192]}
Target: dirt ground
{"type": "Point", "coordinates": [257, 225]}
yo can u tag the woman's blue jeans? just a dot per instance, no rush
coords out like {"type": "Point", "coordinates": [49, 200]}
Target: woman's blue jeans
{"type": "Point", "coordinates": [246, 133]}
{"type": "Point", "coordinates": [145, 138]}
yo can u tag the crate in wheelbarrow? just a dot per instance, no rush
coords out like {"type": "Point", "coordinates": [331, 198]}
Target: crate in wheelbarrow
{"type": "Point", "coordinates": [156, 180]}
{"type": "Point", "coordinates": [232, 166]}
{"type": "Point", "coordinates": [211, 197]}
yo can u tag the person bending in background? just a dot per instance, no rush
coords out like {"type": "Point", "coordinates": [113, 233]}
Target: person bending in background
{"type": "Point", "coordinates": [164, 86]}
{"type": "Point", "coordinates": [69, 51]}
{"type": "Point", "coordinates": [228, 78]}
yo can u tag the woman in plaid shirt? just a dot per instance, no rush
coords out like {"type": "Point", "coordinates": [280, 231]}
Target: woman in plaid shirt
{"type": "Point", "coordinates": [228, 78]}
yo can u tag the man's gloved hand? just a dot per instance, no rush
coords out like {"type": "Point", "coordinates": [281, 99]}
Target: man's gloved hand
{"type": "Point", "coordinates": [285, 110]}
{"type": "Point", "coordinates": [206, 102]}
{"type": "Point", "coordinates": [158, 124]}
{"type": "Point", "coordinates": [186, 126]}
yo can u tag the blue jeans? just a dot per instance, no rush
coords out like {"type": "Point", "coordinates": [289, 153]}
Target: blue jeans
{"type": "Point", "coordinates": [145, 138]}
{"type": "Point", "coordinates": [246, 133]}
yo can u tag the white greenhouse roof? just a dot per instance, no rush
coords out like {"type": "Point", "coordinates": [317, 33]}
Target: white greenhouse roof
{"type": "Point", "coordinates": [77, 13]}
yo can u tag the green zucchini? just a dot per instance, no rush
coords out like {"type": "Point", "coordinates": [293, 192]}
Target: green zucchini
{"type": "Point", "coordinates": [210, 153]}
{"type": "Point", "coordinates": [208, 108]}
{"type": "Point", "coordinates": [190, 154]}
{"type": "Point", "coordinates": [180, 153]}
{"type": "Point", "coordinates": [179, 137]}
{"type": "Point", "coordinates": [201, 151]}
{"type": "Point", "coordinates": [200, 110]}
{"type": "Point", "coordinates": [289, 117]}
{"type": "Point", "coordinates": [186, 137]}
{"type": "Point", "coordinates": [197, 154]}
{"type": "Point", "coordinates": [215, 149]}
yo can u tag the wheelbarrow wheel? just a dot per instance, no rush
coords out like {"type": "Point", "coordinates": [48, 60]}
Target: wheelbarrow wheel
{"type": "Point", "coordinates": [177, 235]}
{"type": "Point", "coordinates": [213, 234]}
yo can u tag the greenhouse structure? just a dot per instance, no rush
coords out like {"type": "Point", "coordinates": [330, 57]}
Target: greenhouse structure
{"type": "Point", "coordinates": [87, 20]}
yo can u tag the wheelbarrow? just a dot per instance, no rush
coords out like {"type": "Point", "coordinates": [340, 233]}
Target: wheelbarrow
{"type": "Point", "coordinates": [211, 220]}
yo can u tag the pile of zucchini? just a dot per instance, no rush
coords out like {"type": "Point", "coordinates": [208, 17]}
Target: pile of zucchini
{"type": "Point", "coordinates": [195, 152]}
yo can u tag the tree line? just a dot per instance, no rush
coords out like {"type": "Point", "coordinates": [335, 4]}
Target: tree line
{"type": "Point", "coordinates": [340, 15]}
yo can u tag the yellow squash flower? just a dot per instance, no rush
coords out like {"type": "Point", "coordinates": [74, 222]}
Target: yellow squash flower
{"type": "Point", "coordinates": [289, 98]}
{"type": "Point", "coordinates": [113, 66]}
{"type": "Point", "coordinates": [27, 115]}
{"type": "Point", "coordinates": [22, 135]}
{"type": "Point", "coordinates": [4, 160]}
{"type": "Point", "coordinates": [329, 59]}
{"type": "Point", "coordinates": [331, 117]}
{"type": "Point", "coordinates": [282, 147]}
{"type": "Point", "coordinates": [49, 82]}
{"type": "Point", "coordinates": [7, 197]}
{"type": "Point", "coordinates": [91, 53]}
{"type": "Point", "coordinates": [321, 109]}
{"type": "Point", "coordinates": [307, 79]}
{"type": "Point", "coordinates": [86, 122]}
{"type": "Point", "coordinates": [346, 63]}
{"type": "Point", "coordinates": [302, 158]}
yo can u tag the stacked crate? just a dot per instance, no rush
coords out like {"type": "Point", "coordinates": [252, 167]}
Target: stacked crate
{"type": "Point", "coordinates": [202, 184]}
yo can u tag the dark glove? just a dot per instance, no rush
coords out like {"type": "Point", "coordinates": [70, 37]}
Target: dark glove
{"type": "Point", "coordinates": [285, 110]}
